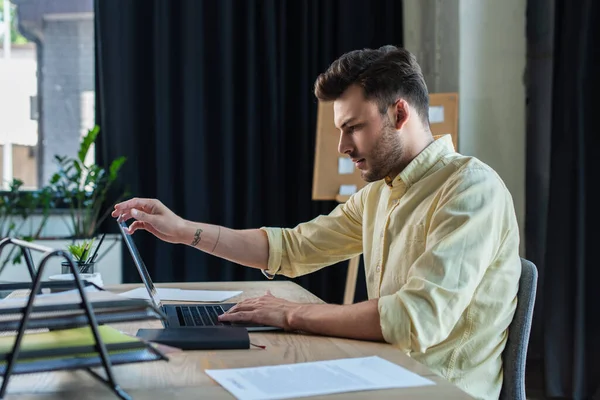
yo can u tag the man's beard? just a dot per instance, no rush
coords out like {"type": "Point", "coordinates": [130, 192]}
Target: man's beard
{"type": "Point", "coordinates": [386, 155]}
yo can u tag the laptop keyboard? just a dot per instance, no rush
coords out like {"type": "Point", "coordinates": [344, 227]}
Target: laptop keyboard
{"type": "Point", "coordinates": [200, 315]}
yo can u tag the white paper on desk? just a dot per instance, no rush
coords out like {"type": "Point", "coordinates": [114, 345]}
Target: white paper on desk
{"type": "Point", "coordinates": [315, 378]}
{"type": "Point", "coordinates": [182, 294]}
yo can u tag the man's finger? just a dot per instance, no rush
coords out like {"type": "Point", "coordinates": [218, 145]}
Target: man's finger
{"type": "Point", "coordinates": [124, 217]}
{"type": "Point", "coordinates": [146, 205]}
{"type": "Point", "coordinates": [121, 213]}
{"type": "Point", "coordinates": [137, 225]}
{"type": "Point", "coordinates": [235, 308]}
{"type": "Point", "coordinates": [244, 316]}
{"type": "Point", "coordinates": [140, 215]}
{"type": "Point", "coordinates": [241, 307]}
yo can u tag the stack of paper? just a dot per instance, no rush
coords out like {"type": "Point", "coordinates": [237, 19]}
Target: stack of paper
{"type": "Point", "coordinates": [63, 309]}
{"type": "Point", "coordinates": [315, 378]}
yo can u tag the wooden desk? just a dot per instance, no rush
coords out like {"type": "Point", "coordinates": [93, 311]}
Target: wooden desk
{"type": "Point", "coordinates": [183, 375]}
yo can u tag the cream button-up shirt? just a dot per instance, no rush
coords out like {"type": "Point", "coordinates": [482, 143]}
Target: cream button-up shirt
{"type": "Point", "coordinates": [441, 248]}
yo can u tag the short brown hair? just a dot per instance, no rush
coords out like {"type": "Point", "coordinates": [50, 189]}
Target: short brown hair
{"type": "Point", "coordinates": [385, 74]}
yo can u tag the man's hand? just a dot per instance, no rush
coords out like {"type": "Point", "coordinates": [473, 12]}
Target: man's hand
{"type": "Point", "coordinates": [153, 216]}
{"type": "Point", "coordinates": [265, 310]}
{"type": "Point", "coordinates": [353, 321]}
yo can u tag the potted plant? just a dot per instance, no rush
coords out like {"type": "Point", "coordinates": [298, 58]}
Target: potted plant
{"type": "Point", "coordinates": [82, 256]}
{"type": "Point", "coordinates": [82, 191]}
{"type": "Point", "coordinates": [84, 188]}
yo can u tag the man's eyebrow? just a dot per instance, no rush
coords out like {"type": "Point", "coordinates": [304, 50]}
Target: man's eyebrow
{"type": "Point", "coordinates": [349, 120]}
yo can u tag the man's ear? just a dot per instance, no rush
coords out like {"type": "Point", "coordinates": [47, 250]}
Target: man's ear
{"type": "Point", "coordinates": [400, 113]}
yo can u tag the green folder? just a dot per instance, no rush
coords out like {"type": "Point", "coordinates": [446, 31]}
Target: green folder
{"type": "Point", "coordinates": [68, 343]}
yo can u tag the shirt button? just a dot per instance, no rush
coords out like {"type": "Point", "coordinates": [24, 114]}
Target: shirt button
{"type": "Point", "coordinates": [378, 269]}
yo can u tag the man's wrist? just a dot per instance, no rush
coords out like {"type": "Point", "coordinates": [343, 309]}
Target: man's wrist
{"type": "Point", "coordinates": [189, 232]}
{"type": "Point", "coordinates": [294, 317]}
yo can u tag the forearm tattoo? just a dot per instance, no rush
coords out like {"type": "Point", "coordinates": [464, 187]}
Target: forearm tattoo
{"type": "Point", "coordinates": [196, 237]}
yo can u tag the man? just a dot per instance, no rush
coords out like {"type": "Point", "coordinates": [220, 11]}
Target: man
{"type": "Point", "coordinates": [437, 231]}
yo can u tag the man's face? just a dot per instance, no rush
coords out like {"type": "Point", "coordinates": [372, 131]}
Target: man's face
{"type": "Point", "coordinates": [367, 137]}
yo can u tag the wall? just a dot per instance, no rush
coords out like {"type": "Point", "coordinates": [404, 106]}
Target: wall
{"type": "Point", "coordinates": [492, 91]}
{"type": "Point", "coordinates": [477, 47]}
{"type": "Point", "coordinates": [431, 33]}
{"type": "Point", "coordinates": [68, 85]}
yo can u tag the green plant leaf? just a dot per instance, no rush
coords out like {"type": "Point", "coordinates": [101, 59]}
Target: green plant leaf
{"type": "Point", "coordinates": [75, 250]}
{"type": "Point", "coordinates": [87, 141]}
{"type": "Point", "coordinates": [81, 251]}
{"type": "Point", "coordinates": [16, 184]}
{"type": "Point", "coordinates": [115, 166]}
{"type": "Point", "coordinates": [17, 258]}
{"type": "Point", "coordinates": [55, 178]}
{"type": "Point", "coordinates": [78, 169]}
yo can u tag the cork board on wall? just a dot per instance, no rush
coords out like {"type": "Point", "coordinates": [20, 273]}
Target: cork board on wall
{"type": "Point", "coordinates": [329, 183]}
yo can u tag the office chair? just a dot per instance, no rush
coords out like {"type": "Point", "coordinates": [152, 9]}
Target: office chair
{"type": "Point", "coordinates": [515, 352]}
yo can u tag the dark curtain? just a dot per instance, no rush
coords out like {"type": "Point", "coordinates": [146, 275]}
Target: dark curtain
{"type": "Point", "coordinates": [212, 104]}
{"type": "Point", "coordinates": [563, 59]}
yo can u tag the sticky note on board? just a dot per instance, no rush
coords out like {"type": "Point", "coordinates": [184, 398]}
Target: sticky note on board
{"type": "Point", "coordinates": [345, 166]}
{"type": "Point", "coordinates": [347, 190]}
{"type": "Point", "coordinates": [436, 114]}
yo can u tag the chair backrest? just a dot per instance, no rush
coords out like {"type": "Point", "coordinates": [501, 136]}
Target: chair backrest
{"type": "Point", "coordinates": [515, 352]}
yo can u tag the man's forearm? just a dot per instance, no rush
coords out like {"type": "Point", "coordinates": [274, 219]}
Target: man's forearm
{"type": "Point", "coordinates": [248, 247]}
{"type": "Point", "coordinates": [355, 321]}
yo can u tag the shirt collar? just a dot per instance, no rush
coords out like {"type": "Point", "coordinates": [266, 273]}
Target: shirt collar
{"type": "Point", "coordinates": [423, 162]}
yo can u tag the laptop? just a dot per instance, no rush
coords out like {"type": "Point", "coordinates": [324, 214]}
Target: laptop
{"type": "Point", "coordinates": [189, 315]}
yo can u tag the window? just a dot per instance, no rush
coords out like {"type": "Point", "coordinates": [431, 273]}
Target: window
{"type": "Point", "coordinates": [46, 86]}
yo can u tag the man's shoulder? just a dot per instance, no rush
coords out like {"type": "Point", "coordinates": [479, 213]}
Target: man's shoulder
{"type": "Point", "coordinates": [470, 169]}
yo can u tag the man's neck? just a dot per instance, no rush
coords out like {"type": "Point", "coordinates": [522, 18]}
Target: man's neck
{"type": "Point", "coordinates": [414, 144]}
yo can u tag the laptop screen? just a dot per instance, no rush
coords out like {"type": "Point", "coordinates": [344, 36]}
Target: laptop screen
{"type": "Point", "coordinates": [141, 267]}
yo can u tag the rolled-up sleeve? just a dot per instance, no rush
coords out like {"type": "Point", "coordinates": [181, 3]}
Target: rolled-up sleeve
{"type": "Point", "coordinates": [275, 238]}
{"type": "Point", "coordinates": [323, 241]}
{"type": "Point", "coordinates": [464, 232]}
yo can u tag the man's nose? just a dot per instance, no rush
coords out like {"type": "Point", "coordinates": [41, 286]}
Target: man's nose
{"type": "Point", "coordinates": [345, 146]}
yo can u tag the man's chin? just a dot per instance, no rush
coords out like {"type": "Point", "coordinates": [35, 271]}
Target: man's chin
{"type": "Point", "coordinates": [367, 176]}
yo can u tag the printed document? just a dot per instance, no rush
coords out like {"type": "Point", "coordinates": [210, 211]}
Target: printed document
{"type": "Point", "coordinates": [315, 378]}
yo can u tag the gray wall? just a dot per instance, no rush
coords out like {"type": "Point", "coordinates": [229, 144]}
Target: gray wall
{"type": "Point", "coordinates": [478, 48]}
{"type": "Point", "coordinates": [431, 33]}
{"type": "Point", "coordinates": [68, 73]}
{"type": "Point", "coordinates": [492, 91]}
